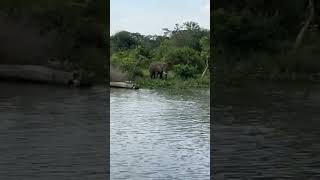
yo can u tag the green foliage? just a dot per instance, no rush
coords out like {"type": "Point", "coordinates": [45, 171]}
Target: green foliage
{"type": "Point", "coordinates": [238, 32]}
{"type": "Point", "coordinates": [253, 39]}
{"type": "Point", "coordinates": [185, 71]}
{"type": "Point", "coordinates": [173, 83]}
{"type": "Point", "coordinates": [125, 59]}
{"type": "Point", "coordinates": [184, 56]}
{"type": "Point", "coordinates": [123, 41]}
{"type": "Point", "coordinates": [205, 46]}
{"type": "Point", "coordinates": [185, 49]}
{"type": "Point", "coordinates": [187, 35]}
{"type": "Point", "coordinates": [69, 29]}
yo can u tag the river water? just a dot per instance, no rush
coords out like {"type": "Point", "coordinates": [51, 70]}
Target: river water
{"type": "Point", "coordinates": [261, 132]}
{"type": "Point", "coordinates": [159, 134]}
{"type": "Point", "coordinates": [270, 131]}
{"type": "Point", "coordinates": [50, 132]}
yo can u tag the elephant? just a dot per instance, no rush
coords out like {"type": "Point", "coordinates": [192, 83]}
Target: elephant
{"type": "Point", "coordinates": [158, 70]}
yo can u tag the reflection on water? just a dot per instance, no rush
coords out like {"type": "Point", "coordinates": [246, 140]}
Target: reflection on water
{"type": "Point", "coordinates": [51, 133]}
{"type": "Point", "coordinates": [267, 132]}
{"type": "Point", "coordinates": [159, 134]}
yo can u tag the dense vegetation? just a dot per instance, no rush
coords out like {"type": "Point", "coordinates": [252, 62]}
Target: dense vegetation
{"type": "Point", "coordinates": [185, 49]}
{"type": "Point", "coordinates": [266, 39]}
{"type": "Point", "coordinates": [35, 31]}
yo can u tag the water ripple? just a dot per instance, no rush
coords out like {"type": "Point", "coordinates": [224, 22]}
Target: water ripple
{"type": "Point", "coordinates": [157, 135]}
{"type": "Point", "coordinates": [51, 133]}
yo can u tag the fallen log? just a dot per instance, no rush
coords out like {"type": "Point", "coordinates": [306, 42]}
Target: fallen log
{"type": "Point", "coordinates": [126, 85]}
{"type": "Point", "coordinates": [35, 73]}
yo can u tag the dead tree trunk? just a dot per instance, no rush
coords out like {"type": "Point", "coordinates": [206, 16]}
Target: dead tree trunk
{"type": "Point", "coordinates": [305, 27]}
{"type": "Point", "coordinates": [206, 68]}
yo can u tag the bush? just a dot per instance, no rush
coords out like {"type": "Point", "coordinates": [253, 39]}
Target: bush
{"type": "Point", "coordinates": [138, 73]}
{"type": "Point", "coordinates": [185, 71]}
{"type": "Point", "coordinates": [125, 60]}
{"type": "Point", "coordinates": [185, 56]}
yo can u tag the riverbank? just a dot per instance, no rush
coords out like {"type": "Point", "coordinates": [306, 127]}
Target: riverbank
{"type": "Point", "coordinates": [230, 78]}
{"type": "Point", "coordinates": [173, 83]}
{"type": "Point", "coordinates": [285, 66]}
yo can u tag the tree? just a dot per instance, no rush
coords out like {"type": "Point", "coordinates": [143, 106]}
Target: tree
{"type": "Point", "coordinates": [205, 53]}
{"type": "Point", "coordinates": [69, 27]}
{"type": "Point", "coordinates": [123, 41]}
{"type": "Point", "coordinates": [184, 56]}
{"type": "Point", "coordinates": [182, 48]}
{"type": "Point", "coordinates": [306, 25]}
{"type": "Point", "coordinates": [191, 26]}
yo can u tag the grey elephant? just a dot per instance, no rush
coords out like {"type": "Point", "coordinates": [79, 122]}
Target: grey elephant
{"type": "Point", "coordinates": [158, 70]}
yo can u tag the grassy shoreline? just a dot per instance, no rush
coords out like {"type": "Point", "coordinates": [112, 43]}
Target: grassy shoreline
{"type": "Point", "coordinates": [173, 83]}
{"type": "Point", "coordinates": [291, 77]}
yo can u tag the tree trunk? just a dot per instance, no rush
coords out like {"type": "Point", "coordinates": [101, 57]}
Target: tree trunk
{"type": "Point", "coordinates": [205, 69]}
{"type": "Point", "coordinates": [42, 74]}
{"type": "Point", "coordinates": [34, 73]}
{"type": "Point", "coordinates": [305, 27]}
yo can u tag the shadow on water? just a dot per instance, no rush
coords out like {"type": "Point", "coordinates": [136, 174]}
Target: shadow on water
{"type": "Point", "coordinates": [159, 134]}
{"type": "Point", "coordinates": [267, 131]}
{"type": "Point", "coordinates": [50, 132]}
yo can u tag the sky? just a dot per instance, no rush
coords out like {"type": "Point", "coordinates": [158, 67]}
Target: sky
{"type": "Point", "coordinates": [148, 17]}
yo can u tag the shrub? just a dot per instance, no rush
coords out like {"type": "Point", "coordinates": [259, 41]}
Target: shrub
{"type": "Point", "coordinates": [184, 56]}
{"type": "Point", "coordinates": [185, 71]}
